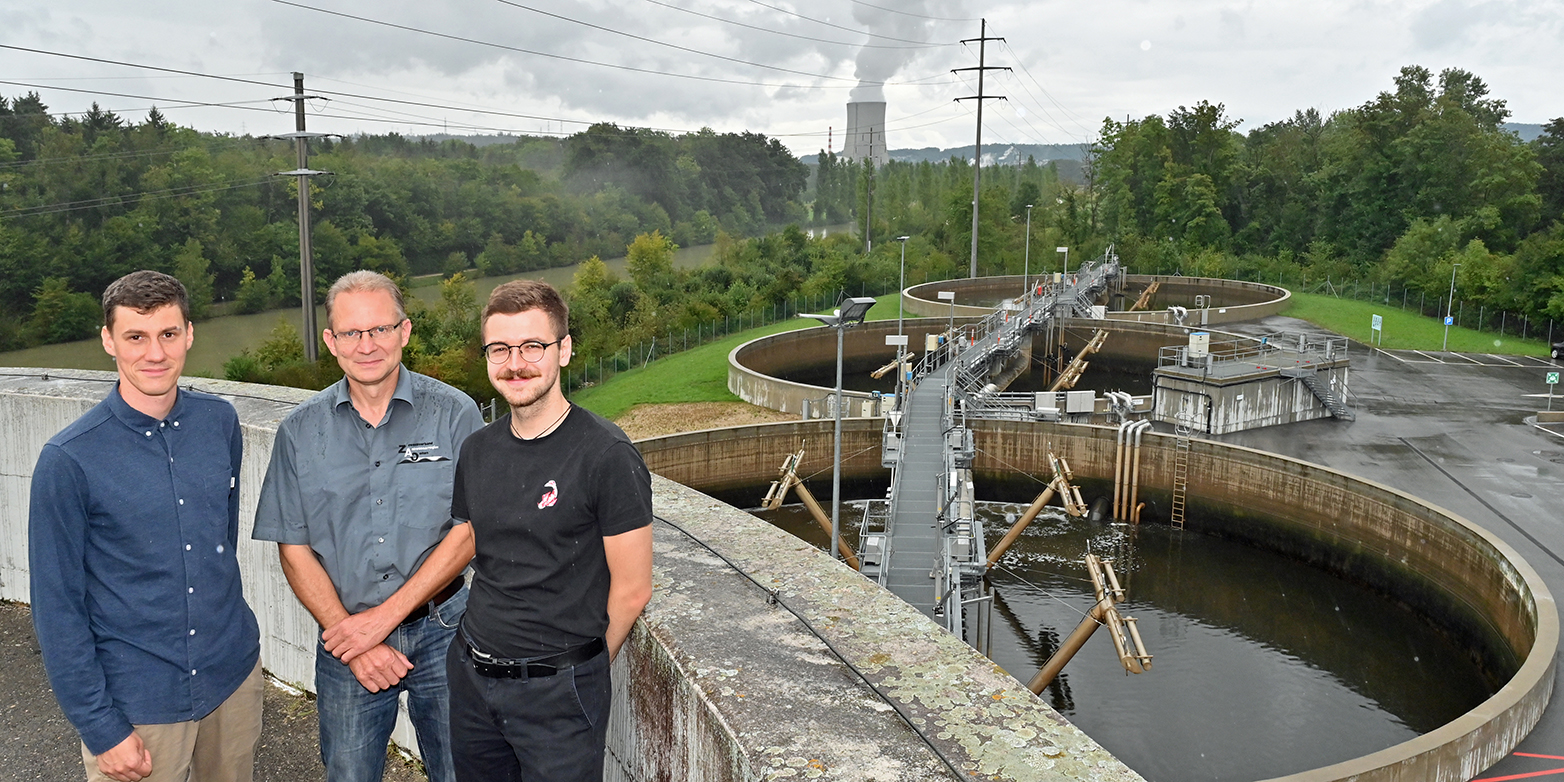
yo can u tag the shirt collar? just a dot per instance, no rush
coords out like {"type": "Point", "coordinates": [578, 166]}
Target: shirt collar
{"type": "Point", "coordinates": [404, 389]}
{"type": "Point", "coordinates": [135, 419]}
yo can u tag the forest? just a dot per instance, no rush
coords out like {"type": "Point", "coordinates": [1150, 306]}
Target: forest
{"type": "Point", "coordinates": [1393, 195]}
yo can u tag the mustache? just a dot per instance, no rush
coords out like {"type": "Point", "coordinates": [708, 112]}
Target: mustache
{"type": "Point", "coordinates": [512, 374]}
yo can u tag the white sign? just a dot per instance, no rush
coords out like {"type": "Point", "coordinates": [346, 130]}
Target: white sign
{"type": "Point", "coordinates": [1378, 324]}
{"type": "Point", "coordinates": [947, 295]}
{"type": "Point", "coordinates": [896, 339]}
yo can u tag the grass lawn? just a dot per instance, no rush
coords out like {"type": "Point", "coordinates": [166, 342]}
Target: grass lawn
{"type": "Point", "coordinates": [695, 375]}
{"type": "Point", "coordinates": [1407, 330]}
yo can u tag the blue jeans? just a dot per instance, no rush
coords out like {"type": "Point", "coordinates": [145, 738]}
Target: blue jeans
{"type": "Point", "coordinates": [548, 729]}
{"type": "Point", "coordinates": [356, 724]}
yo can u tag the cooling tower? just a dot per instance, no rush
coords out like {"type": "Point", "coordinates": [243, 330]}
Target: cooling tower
{"type": "Point", "coordinates": [866, 132]}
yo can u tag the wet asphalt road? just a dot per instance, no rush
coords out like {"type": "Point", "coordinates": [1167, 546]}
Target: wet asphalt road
{"type": "Point", "coordinates": [1451, 429]}
{"type": "Point", "coordinates": [37, 743]}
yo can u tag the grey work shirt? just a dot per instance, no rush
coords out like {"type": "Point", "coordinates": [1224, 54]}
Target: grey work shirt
{"type": "Point", "coordinates": [371, 501]}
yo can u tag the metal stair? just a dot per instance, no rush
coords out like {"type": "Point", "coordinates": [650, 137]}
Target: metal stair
{"type": "Point", "coordinates": [1332, 400]}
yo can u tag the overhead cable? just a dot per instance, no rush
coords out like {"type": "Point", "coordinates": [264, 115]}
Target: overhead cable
{"type": "Point", "coordinates": [631, 68]}
{"type": "Point", "coordinates": [799, 36]}
{"type": "Point", "coordinates": [917, 16]}
{"type": "Point", "coordinates": [780, 9]}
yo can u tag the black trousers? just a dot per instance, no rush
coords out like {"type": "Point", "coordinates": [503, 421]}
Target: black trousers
{"type": "Point", "coordinates": [548, 729]}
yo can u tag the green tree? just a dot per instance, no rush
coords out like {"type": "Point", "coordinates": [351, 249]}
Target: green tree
{"type": "Point", "coordinates": [62, 315]}
{"type": "Point", "coordinates": [190, 267]}
{"type": "Point", "coordinates": [649, 260]}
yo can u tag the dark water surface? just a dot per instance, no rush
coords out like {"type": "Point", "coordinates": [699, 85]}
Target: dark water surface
{"type": "Point", "coordinates": [1101, 374]}
{"type": "Point", "coordinates": [1262, 665]}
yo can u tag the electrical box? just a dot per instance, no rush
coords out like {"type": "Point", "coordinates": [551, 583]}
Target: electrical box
{"type": "Point", "coordinates": [1199, 344]}
{"type": "Point", "coordinates": [1080, 401]}
{"type": "Point", "coordinates": [930, 343]}
{"type": "Point", "coordinates": [1099, 312]}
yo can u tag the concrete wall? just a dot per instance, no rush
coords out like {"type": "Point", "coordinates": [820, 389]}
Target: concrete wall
{"type": "Point", "coordinates": [755, 367]}
{"type": "Point", "coordinates": [1232, 300]}
{"type": "Point", "coordinates": [758, 657]}
{"type": "Point", "coordinates": [1437, 562]}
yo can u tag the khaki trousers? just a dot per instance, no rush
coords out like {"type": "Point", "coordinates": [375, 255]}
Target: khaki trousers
{"type": "Point", "coordinates": [219, 747]}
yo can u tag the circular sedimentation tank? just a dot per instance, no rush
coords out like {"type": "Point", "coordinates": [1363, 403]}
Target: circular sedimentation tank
{"type": "Point", "coordinates": [1262, 610]}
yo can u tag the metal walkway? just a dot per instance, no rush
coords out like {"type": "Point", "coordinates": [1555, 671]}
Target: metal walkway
{"type": "Point", "coordinates": [932, 551]}
{"type": "Point", "coordinates": [912, 536]}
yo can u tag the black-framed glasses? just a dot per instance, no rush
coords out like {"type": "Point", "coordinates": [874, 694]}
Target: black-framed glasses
{"type": "Point", "coordinates": [531, 351]}
{"type": "Point", "coordinates": [376, 333]}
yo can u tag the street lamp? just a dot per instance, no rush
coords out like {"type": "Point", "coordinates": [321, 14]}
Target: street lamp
{"type": "Point", "coordinates": [1450, 307]}
{"type": "Point", "coordinates": [903, 285]}
{"type": "Point", "coordinates": [1066, 252]}
{"type": "Point", "coordinates": [1026, 259]}
{"type": "Point", "coordinates": [851, 313]}
{"type": "Point", "coordinates": [950, 296]}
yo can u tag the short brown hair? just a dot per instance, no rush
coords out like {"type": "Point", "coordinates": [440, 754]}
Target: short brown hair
{"type": "Point", "coordinates": [144, 291]}
{"type": "Point", "coordinates": [365, 281]}
{"type": "Point", "coordinates": [518, 296]}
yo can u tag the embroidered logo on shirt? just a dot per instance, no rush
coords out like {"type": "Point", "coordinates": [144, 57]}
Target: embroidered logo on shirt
{"type": "Point", "coordinates": [549, 497]}
{"type": "Point", "coordinates": [412, 453]}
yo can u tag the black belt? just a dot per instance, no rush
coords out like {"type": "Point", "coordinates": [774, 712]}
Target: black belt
{"type": "Point", "coordinates": [501, 668]}
{"type": "Point", "coordinates": [441, 596]}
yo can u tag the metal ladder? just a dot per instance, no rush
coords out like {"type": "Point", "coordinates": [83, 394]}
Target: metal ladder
{"type": "Point", "coordinates": [1180, 472]}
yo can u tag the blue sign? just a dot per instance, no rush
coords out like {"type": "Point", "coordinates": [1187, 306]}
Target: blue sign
{"type": "Point", "coordinates": [1449, 321]}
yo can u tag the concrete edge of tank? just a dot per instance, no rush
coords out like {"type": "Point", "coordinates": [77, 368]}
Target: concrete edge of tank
{"type": "Point", "coordinates": [920, 300]}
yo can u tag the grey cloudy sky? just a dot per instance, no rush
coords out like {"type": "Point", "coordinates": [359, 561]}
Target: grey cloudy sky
{"type": "Point", "coordinates": [750, 65]}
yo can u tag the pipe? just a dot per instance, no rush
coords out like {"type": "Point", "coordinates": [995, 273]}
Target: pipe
{"type": "Point", "coordinates": [818, 512]}
{"type": "Point", "coordinates": [1136, 429]}
{"type": "Point", "coordinates": [1118, 470]}
{"type": "Point", "coordinates": [1020, 526]}
{"type": "Point", "coordinates": [1083, 631]}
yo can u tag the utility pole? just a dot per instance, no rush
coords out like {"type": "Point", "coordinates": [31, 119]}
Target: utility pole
{"type": "Point", "coordinates": [306, 251]}
{"type": "Point", "coordinates": [977, 152]}
{"type": "Point", "coordinates": [868, 199]}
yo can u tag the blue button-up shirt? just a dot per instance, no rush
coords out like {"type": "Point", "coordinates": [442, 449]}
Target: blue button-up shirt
{"type": "Point", "coordinates": [136, 595]}
{"type": "Point", "coordinates": [371, 501]}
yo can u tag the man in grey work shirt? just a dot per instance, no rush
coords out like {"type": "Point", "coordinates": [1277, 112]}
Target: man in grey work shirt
{"type": "Point", "coordinates": [358, 497]}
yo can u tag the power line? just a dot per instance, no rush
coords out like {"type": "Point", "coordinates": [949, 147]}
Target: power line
{"type": "Point", "coordinates": [643, 38]}
{"type": "Point", "coordinates": [917, 16]}
{"type": "Point", "coordinates": [799, 36]}
{"type": "Point", "coordinates": [1045, 92]}
{"type": "Point", "coordinates": [144, 67]}
{"type": "Point", "coordinates": [631, 68]}
{"type": "Point", "coordinates": [151, 195]}
{"type": "Point", "coordinates": [782, 10]}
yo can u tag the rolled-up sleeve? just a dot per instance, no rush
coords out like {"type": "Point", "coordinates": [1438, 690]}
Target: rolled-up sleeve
{"type": "Point", "coordinates": [57, 532]}
{"type": "Point", "coordinates": [279, 511]}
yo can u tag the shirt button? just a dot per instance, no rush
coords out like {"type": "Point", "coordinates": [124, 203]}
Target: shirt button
{"type": "Point", "coordinates": [377, 463]}
{"type": "Point", "coordinates": [176, 424]}
{"type": "Point", "coordinates": [382, 540]}
{"type": "Point", "coordinates": [380, 502]}
{"type": "Point", "coordinates": [192, 631]}
{"type": "Point", "coordinates": [161, 424]}
{"type": "Point", "coordinates": [191, 590]}
{"type": "Point", "coordinates": [187, 546]}
{"type": "Point", "coordinates": [385, 577]}
{"type": "Point", "coordinates": [181, 500]}
{"type": "Point", "coordinates": [149, 433]}
{"type": "Point", "coordinates": [192, 671]}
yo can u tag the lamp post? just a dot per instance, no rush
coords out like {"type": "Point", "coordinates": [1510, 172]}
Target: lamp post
{"type": "Point", "coordinates": [903, 284]}
{"type": "Point", "coordinates": [949, 296]}
{"type": "Point", "coordinates": [1026, 259]}
{"type": "Point", "coordinates": [1450, 307]}
{"type": "Point", "coordinates": [851, 313]}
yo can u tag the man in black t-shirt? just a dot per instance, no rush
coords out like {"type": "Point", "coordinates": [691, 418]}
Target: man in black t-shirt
{"type": "Point", "coordinates": [560, 505]}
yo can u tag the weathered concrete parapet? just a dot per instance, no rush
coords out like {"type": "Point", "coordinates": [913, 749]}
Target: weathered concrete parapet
{"type": "Point", "coordinates": [1234, 300]}
{"type": "Point", "coordinates": [726, 685]}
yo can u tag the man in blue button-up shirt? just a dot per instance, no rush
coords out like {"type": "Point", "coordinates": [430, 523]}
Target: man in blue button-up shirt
{"type": "Point", "coordinates": [152, 652]}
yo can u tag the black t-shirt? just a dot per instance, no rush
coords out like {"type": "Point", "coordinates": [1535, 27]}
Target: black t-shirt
{"type": "Point", "coordinates": [539, 511]}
